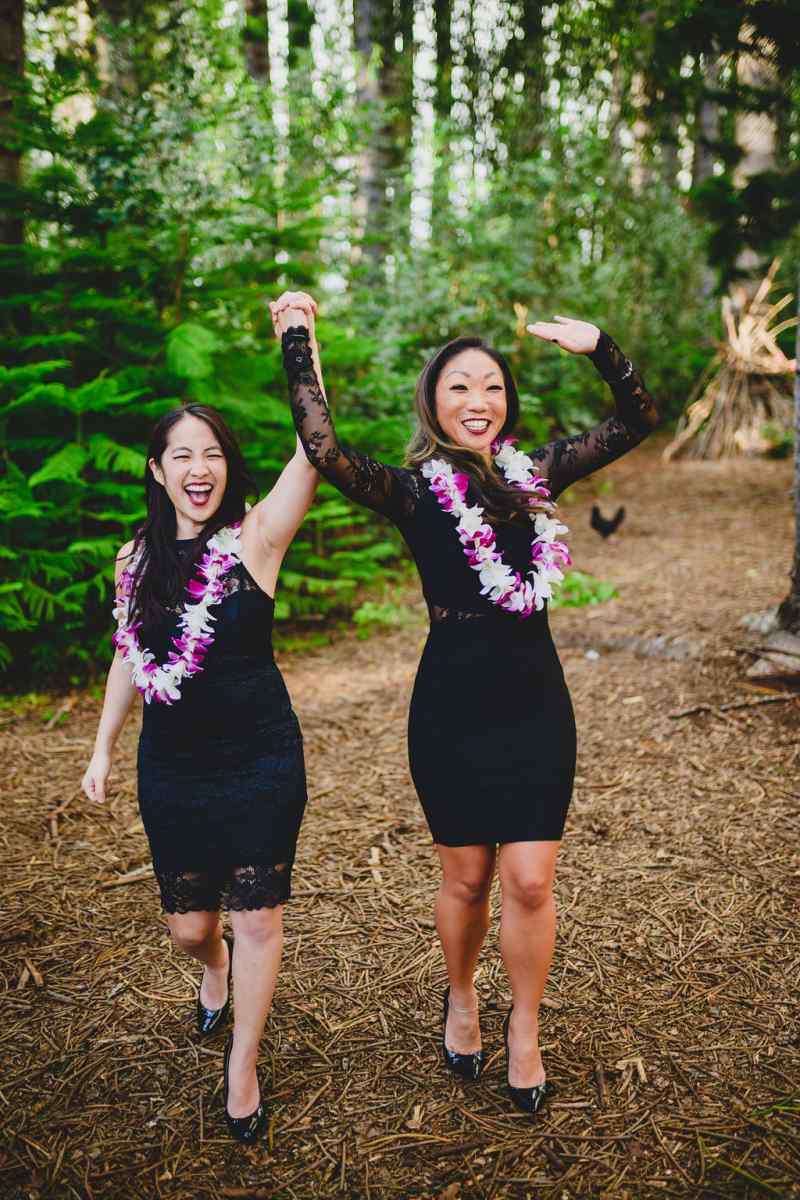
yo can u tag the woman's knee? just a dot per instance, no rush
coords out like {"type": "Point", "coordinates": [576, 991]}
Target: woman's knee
{"type": "Point", "coordinates": [192, 930]}
{"type": "Point", "coordinates": [531, 889]}
{"type": "Point", "coordinates": [258, 926]}
{"type": "Point", "coordinates": [468, 889]}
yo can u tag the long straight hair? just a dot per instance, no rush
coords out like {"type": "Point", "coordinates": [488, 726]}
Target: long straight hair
{"type": "Point", "coordinates": [500, 500]}
{"type": "Point", "coordinates": [161, 576]}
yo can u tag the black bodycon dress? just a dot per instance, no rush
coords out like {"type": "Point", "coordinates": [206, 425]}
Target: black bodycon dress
{"type": "Point", "coordinates": [222, 785]}
{"type": "Point", "coordinates": [491, 732]}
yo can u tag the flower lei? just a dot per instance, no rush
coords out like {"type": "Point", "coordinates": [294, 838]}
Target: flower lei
{"type": "Point", "coordinates": [501, 584]}
{"type": "Point", "coordinates": [196, 633]}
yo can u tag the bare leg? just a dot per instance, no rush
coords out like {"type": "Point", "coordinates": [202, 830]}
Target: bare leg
{"type": "Point", "coordinates": [256, 960]}
{"type": "Point", "coordinates": [462, 919]}
{"type": "Point", "coordinates": [200, 934]}
{"type": "Point", "coordinates": [527, 938]}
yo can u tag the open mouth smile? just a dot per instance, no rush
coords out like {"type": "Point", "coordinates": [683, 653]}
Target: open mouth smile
{"type": "Point", "coordinates": [476, 425]}
{"type": "Point", "coordinates": [198, 493]}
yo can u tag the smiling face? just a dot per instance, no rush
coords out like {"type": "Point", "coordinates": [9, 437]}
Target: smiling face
{"type": "Point", "coordinates": [471, 404]}
{"type": "Point", "coordinates": [193, 471]}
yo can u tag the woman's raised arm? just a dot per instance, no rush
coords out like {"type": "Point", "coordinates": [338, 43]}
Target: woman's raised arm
{"type": "Point", "coordinates": [571, 458]}
{"type": "Point", "coordinates": [387, 490]}
{"type": "Point", "coordinates": [279, 515]}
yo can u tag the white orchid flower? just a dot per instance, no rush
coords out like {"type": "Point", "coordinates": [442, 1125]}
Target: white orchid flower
{"type": "Point", "coordinates": [548, 528]}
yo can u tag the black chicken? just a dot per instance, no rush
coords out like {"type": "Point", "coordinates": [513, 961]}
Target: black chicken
{"type": "Point", "coordinates": [603, 525]}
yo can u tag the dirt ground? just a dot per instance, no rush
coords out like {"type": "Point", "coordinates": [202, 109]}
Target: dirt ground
{"type": "Point", "coordinates": [668, 1030]}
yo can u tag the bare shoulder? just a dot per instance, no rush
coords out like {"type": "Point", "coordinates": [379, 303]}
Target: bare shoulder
{"type": "Point", "coordinates": [123, 557]}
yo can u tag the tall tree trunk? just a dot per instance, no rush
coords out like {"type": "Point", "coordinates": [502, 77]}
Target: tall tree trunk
{"type": "Point", "coordinates": [789, 611]}
{"type": "Point", "coordinates": [405, 75]}
{"type": "Point", "coordinates": [256, 40]}
{"type": "Point", "coordinates": [528, 131]}
{"type": "Point", "coordinates": [115, 41]}
{"type": "Point", "coordinates": [641, 167]}
{"type": "Point", "coordinates": [12, 65]}
{"type": "Point", "coordinates": [617, 101]}
{"type": "Point", "coordinates": [442, 108]}
{"type": "Point", "coordinates": [472, 66]}
{"type": "Point", "coordinates": [756, 137]}
{"type": "Point", "coordinates": [706, 134]}
{"type": "Point", "coordinates": [670, 149]}
{"type": "Point", "coordinates": [372, 173]}
{"type": "Point", "coordinates": [706, 139]}
{"type": "Point", "coordinates": [385, 93]}
{"type": "Point", "coordinates": [300, 22]}
{"type": "Point", "coordinates": [442, 28]}
{"type": "Point", "coordinates": [396, 82]}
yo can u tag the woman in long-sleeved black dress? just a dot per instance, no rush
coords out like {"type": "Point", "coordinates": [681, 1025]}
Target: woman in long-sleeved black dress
{"type": "Point", "coordinates": [491, 727]}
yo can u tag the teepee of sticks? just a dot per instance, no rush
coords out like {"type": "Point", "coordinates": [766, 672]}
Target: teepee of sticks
{"type": "Point", "coordinates": [743, 401]}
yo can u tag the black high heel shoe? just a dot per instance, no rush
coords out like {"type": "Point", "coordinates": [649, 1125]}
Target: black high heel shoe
{"type": "Point", "coordinates": [467, 1066]}
{"type": "Point", "coordinates": [529, 1099]}
{"type": "Point", "coordinates": [209, 1020]}
{"type": "Point", "coordinates": [245, 1129]}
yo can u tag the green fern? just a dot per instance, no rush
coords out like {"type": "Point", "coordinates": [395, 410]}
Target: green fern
{"type": "Point", "coordinates": [65, 465]}
{"type": "Point", "coordinates": [109, 455]}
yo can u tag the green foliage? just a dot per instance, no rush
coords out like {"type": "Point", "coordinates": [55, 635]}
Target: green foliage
{"type": "Point", "coordinates": [579, 590]}
{"type": "Point", "coordinates": [374, 615]}
{"type": "Point", "coordinates": [190, 351]}
{"type": "Point", "coordinates": [780, 441]}
{"type": "Point", "coordinates": [163, 206]}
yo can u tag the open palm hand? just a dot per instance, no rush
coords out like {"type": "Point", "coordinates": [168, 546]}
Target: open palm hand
{"type": "Point", "coordinates": [579, 337]}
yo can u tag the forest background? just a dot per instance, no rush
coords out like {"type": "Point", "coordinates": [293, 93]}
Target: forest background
{"type": "Point", "coordinates": [424, 167]}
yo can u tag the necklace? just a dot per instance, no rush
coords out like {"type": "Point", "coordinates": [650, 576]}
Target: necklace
{"type": "Point", "coordinates": [162, 682]}
{"type": "Point", "coordinates": [500, 583]}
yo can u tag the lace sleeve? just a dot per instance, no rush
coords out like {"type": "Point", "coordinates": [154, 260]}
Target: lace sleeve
{"type": "Point", "coordinates": [636, 416]}
{"type": "Point", "coordinates": [392, 491]}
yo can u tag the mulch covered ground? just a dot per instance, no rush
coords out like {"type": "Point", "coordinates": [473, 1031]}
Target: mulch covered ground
{"type": "Point", "coordinates": [669, 1034]}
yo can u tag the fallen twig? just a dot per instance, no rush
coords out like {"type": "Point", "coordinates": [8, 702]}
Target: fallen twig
{"type": "Point", "coordinates": [131, 877]}
{"type": "Point", "coordinates": [703, 708]}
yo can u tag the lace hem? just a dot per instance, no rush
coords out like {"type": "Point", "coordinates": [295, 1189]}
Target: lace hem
{"type": "Point", "coordinates": [239, 889]}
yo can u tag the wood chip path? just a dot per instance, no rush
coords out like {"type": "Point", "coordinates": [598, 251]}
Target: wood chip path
{"type": "Point", "coordinates": [669, 1027]}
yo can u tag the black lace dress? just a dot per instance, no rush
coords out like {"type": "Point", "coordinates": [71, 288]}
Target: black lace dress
{"type": "Point", "coordinates": [222, 785]}
{"type": "Point", "coordinates": [491, 733]}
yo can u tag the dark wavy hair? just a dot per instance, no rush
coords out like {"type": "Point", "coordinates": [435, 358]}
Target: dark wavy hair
{"type": "Point", "coordinates": [161, 577]}
{"type": "Point", "coordinates": [500, 500]}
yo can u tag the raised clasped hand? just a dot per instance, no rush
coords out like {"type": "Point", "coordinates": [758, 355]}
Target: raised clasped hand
{"type": "Point", "coordinates": [579, 337]}
{"type": "Point", "coordinates": [292, 308]}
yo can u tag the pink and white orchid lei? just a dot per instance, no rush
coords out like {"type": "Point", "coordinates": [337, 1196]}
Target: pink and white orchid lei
{"type": "Point", "coordinates": [196, 633]}
{"type": "Point", "coordinates": [501, 584]}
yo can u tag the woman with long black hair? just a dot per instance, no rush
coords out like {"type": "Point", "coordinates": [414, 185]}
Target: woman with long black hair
{"type": "Point", "coordinates": [220, 764]}
{"type": "Point", "coordinates": [491, 729]}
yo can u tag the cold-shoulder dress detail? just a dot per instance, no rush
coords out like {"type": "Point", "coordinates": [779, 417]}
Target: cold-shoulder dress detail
{"type": "Point", "coordinates": [491, 728]}
{"type": "Point", "coordinates": [222, 786]}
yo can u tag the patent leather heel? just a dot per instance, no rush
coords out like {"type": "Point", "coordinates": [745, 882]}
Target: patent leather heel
{"type": "Point", "coordinates": [528, 1099]}
{"type": "Point", "coordinates": [466, 1066]}
{"type": "Point", "coordinates": [209, 1020]}
{"type": "Point", "coordinates": [244, 1129]}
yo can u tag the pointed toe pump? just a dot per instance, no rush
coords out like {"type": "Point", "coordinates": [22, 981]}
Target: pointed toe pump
{"type": "Point", "coordinates": [244, 1129]}
{"type": "Point", "coordinates": [209, 1020]}
{"type": "Point", "coordinates": [467, 1066]}
{"type": "Point", "coordinates": [528, 1099]}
